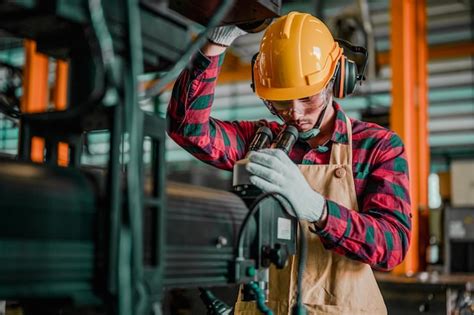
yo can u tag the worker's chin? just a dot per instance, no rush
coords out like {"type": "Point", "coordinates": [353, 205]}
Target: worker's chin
{"type": "Point", "coordinates": [304, 127]}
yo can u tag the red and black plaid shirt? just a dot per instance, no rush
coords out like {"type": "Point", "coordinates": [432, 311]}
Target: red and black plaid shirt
{"type": "Point", "coordinates": [378, 235]}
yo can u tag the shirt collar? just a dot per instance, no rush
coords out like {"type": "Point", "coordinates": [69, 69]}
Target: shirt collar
{"type": "Point", "coordinates": [340, 129]}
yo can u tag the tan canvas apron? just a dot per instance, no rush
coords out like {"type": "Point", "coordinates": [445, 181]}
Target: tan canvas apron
{"type": "Point", "coordinates": [332, 284]}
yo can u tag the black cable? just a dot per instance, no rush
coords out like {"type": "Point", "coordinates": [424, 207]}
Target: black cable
{"type": "Point", "coordinates": [299, 308]}
{"type": "Point", "coordinates": [253, 209]}
{"type": "Point", "coordinates": [8, 109]}
{"type": "Point", "coordinates": [104, 41]}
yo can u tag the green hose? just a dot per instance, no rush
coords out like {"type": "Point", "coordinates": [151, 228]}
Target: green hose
{"type": "Point", "coordinates": [260, 298]}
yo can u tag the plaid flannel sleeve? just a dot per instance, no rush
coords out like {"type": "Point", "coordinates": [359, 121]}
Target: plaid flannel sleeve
{"type": "Point", "coordinates": [190, 125]}
{"type": "Point", "coordinates": [379, 234]}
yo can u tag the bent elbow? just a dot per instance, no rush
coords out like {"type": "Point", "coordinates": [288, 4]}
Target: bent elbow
{"type": "Point", "coordinates": [397, 250]}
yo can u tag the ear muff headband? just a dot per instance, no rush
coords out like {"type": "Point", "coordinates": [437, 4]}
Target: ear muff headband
{"type": "Point", "coordinates": [356, 54]}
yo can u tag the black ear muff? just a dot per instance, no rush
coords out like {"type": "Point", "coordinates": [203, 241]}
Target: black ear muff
{"type": "Point", "coordinates": [351, 76]}
{"type": "Point", "coordinates": [345, 78]}
{"type": "Point", "coordinates": [350, 69]}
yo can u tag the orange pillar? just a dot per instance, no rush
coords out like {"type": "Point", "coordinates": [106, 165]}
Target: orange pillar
{"type": "Point", "coordinates": [408, 117]}
{"type": "Point", "coordinates": [60, 103]}
{"type": "Point", "coordinates": [421, 99]}
{"type": "Point", "coordinates": [402, 115]}
{"type": "Point", "coordinates": [35, 91]}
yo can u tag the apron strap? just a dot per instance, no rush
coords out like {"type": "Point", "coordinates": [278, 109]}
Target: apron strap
{"type": "Point", "coordinates": [342, 153]}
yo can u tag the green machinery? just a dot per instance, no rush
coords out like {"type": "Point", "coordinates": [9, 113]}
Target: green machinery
{"type": "Point", "coordinates": [112, 237]}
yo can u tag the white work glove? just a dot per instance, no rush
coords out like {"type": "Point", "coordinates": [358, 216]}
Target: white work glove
{"type": "Point", "coordinates": [273, 171]}
{"type": "Point", "coordinates": [225, 35]}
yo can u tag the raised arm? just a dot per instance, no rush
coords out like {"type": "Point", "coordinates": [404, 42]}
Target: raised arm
{"type": "Point", "coordinates": [216, 142]}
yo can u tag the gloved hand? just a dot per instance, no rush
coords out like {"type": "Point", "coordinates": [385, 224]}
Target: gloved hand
{"type": "Point", "coordinates": [225, 35]}
{"type": "Point", "coordinates": [273, 171]}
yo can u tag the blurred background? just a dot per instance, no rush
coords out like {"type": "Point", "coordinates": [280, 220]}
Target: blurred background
{"type": "Point", "coordinates": [423, 90]}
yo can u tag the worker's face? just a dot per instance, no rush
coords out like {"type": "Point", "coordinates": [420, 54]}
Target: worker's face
{"type": "Point", "coordinates": [301, 113]}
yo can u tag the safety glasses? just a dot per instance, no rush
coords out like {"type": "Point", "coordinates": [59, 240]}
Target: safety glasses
{"type": "Point", "coordinates": [302, 106]}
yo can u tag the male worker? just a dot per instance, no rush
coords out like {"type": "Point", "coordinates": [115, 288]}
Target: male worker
{"type": "Point", "coordinates": [346, 179]}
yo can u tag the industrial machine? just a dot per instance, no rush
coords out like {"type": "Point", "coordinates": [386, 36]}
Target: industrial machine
{"type": "Point", "coordinates": [117, 237]}
{"type": "Point", "coordinates": [458, 240]}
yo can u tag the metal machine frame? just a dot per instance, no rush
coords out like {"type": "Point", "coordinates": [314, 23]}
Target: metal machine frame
{"type": "Point", "coordinates": [123, 278]}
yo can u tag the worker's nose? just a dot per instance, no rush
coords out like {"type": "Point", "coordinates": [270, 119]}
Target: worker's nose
{"type": "Point", "coordinates": [295, 110]}
{"type": "Point", "coordinates": [294, 113]}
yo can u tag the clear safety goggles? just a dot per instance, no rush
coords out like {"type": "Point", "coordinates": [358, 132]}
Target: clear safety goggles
{"type": "Point", "coordinates": [302, 106]}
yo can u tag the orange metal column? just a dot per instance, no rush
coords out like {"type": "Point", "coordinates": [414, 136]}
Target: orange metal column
{"type": "Point", "coordinates": [421, 99]}
{"type": "Point", "coordinates": [60, 103]}
{"type": "Point", "coordinates": [402, 116]}
{"type": "Point", "coordinates": [421, 54]}
{"type": "Point", "coordinates": [35, 91]}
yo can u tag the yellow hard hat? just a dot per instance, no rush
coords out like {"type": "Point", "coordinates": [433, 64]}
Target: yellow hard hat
{"type": "Point", "coordinates": [298, 57]}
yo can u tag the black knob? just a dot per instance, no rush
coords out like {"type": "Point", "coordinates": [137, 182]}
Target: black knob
{"type": "Point", "coordinates": [279, 255]}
